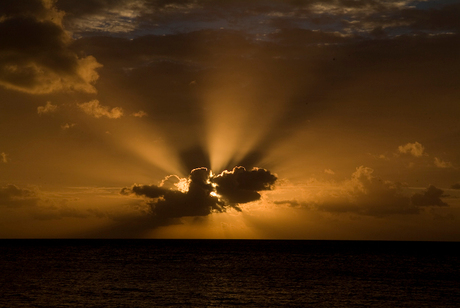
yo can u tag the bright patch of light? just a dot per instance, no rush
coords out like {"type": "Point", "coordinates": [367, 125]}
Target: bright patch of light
{"type": "Point", "coordinates": [214, 194]}
{"type": "Point", "coordinates": [183, 185]}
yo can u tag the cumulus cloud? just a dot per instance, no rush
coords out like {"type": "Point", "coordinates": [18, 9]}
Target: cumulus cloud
{"type": "Point", "coordinates": [35, 56]}
{"type": "Point", "coordinates": [203, 193]}
{"type": "Point", "coordinates": [442, 164]}
{"type": "Point", "coordinates": [430, 197]}
{"type": "Point", "coordinates": [367, 194]}
{"type": "Point", "coordinates": [48, 108]}
{"type": "Point", "coordinates": [95, 109]}
{"type": "Point", "coordinates": [414, 149]}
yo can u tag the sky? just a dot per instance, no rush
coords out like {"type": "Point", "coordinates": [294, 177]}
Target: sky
{"type": "Point", "coordinates": [315, 119]}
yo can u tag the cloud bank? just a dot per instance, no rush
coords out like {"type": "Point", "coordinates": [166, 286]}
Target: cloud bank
{"type": "Point", "coordinates": [369, 195]}
{"type": "Point", "coordinates": [13, 196]}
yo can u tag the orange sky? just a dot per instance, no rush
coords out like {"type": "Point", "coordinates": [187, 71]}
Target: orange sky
{"type": "Point", "coordinates": [342, 115]}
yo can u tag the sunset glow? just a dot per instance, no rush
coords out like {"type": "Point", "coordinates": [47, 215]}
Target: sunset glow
{"type": "Point", "coordinates": [210, 119]}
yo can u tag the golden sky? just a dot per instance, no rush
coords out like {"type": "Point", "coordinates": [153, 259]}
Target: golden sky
{"type": "Point", "coordinates": [318, 119]}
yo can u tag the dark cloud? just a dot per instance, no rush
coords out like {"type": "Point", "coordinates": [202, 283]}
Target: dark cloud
{"type": "Point", "coordinates": [13, 196]}
{"type": "Point", "coordinates": [455, 186]}
{"type": "Point", "coordinates": [174, 16]}
{"type": "Point", "coordinates": [242, 186]}
{"type": "Point", "coordinates": [25, 7]}
{"type": "Point", "coordinates": [87, 7]}
{"type": "Point", "coordinates": [206, 192]}
{"type": "Point", "coordinates": [292, 203]}
{"type": "Point", "coordinates": [305, 37]}
{"type": "Point", "coordinates": [39, 205]}
{"type": "Point", "coordinates": [445, 18]}
{"type": "Point", "coordinates": [431, 197]}
{"type": "Point", "coordinates": [194, 157]}
{"type": "Point", "coordinates": [34, 53]}
{"type": "Point", "coordinates": [366, 194]}
{"type": "Point", "coordinates": [307, 70]}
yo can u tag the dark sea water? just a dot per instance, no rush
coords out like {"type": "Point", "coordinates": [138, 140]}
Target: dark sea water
{"type": "Point", "coordinates": [227, 273]}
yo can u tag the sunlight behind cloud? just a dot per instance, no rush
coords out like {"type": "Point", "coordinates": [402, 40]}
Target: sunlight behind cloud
{"type": "Point", "coordinates": [147, 143]}
{"type": "Point", "coordinates": [235, 123]}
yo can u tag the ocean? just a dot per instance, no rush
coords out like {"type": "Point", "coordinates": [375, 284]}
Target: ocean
{"type": "Point", "coordinates": [228, 273]}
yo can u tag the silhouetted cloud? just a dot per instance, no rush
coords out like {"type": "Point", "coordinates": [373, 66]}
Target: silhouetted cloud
{"type": "Point", "coordinates": [242, 186]}
{"type": "Point", "coordinates": [455, 186]}
{"type": "Point", "coordinates": [430, 197]}
{"type": "Point", "coordinates": [34, 52]}
{"type": "Point", "coordinates": [203, 192]}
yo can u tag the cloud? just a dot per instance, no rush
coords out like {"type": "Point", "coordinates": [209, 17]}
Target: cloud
{"type": "Point", "coordinates": [203, 193]}
{"type": "Point", "coordinates": [13, 196]}
{"type": "Point", "coordinates": [35, 56]}
{"type": "Point", "coordinates": [48, 108]}
{"type": "Point", "coordinates": [242, 186]}
{"type": "Point", "coordinates": [371, 18]}
{"type": "Point", "coordinates": [431, 197]}
{"type": "Point", "coordinates": [68, 126]}
{"type": "Point", "coordinates": [441, 18]}
{"type": "Point", "coordinates": [4, 157]}
{"type": "Point", "coordinates": [415, 149]}
{"type": "Point", "coordinates": [366, 194]}
{"type": "Point", "coordinates": [455, 186]}
{"type": "Point", "coordinates": [39, 205]}
{"type": "Point", "coordinates": [96, 110]}
{"type": "Point", "coordinates": [139, 114]}
{"type": "Point", "coordinates": [115, 16]}
{"type": "Point", "coordinates": [329, 171]}
{"type": "Point", "coordinates": [442, 164]}
{"type": "Point", "coordinates": [292, 203]}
